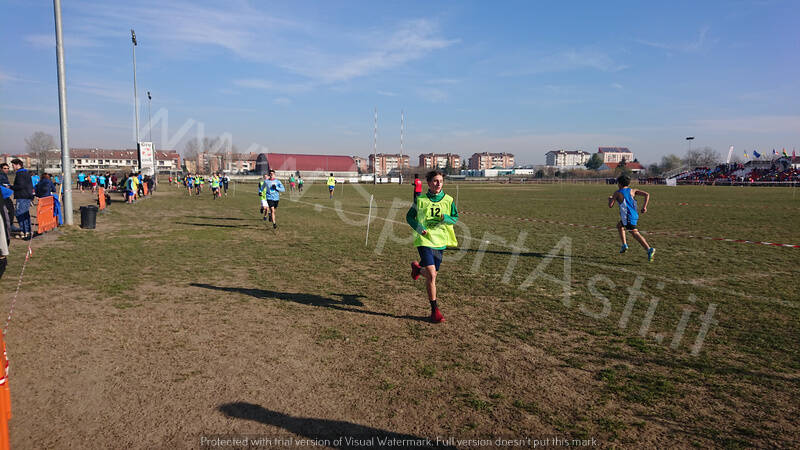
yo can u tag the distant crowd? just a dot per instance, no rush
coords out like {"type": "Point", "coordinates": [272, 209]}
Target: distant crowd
{"type": "Point", "coordinates": [736, 173]}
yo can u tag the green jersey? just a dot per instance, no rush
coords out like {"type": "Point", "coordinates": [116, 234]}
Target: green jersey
{"type": "Point", "coordinates": [435, 214]}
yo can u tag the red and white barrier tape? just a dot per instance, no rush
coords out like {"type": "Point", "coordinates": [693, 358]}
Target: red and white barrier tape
{"type": "Point", "coordinates": [28, 255]}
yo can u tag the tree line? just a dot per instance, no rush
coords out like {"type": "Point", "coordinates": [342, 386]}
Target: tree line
{"type": "Point", "coordinates": [702, 157]}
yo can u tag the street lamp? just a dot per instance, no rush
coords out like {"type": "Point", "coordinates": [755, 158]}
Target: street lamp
{"type": "Point", "coordinates": [135, 97]}
{"type": "Point", "coordinates": [149, 116]}
{"type": "Point", "coordinates": [690, 139]}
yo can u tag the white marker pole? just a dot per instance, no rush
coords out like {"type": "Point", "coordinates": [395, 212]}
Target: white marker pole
{"type": "Point", "coordinates": [369, 216]}
{"type": "Point", "coordinates": [457, 194]}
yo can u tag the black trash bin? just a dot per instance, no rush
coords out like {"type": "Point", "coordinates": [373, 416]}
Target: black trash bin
{"type": "Point", "coordinates": [88, 216]}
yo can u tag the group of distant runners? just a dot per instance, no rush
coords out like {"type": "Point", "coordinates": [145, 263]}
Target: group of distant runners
{"type": "Point", "coordinates": [194, 184]}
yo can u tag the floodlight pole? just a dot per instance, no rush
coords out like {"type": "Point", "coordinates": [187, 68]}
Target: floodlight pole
{"type": "Point", "coordinates": [375, 151]}
{"type": "Point", "coordinates": [66, 162]}
{"type": "Point", "coordinates": [135, 97]}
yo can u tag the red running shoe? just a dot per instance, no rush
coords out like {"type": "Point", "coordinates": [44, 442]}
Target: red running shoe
{"type": "Point", "coordinates": [436, 316]}
{"type": "Point", "coordinates": [415, 268]}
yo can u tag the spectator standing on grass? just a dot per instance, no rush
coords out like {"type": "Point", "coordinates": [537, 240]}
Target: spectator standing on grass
{"type": "Point", "coordinates": [130, 188]}
{"type": "Point", "coordinates": [417, 186]}
{"type": "Point", "coordinates": [432, 217]}
{"type": "Point", "coordinates": [5, 230]}
{"type": "Point", "coordinates": [629, 217]}
{"type": "Point", "coordinates": [23, 193]}
{"type": "Point", "coordinates": [225, 181]}
{"type": "Point", "coordinates": [299, 183]}
{"type": "Point", "coordinates": [45, 187]}
{"type": "Point", "coordinates": [81, 180]}
{"type": "Point", "coordinates": [8, 204]}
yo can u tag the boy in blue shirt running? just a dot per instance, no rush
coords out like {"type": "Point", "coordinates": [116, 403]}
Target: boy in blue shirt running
{"type": "Point", "coordinates": [628, 215]}
{"type": "Point", "coordinates": [272, 187]}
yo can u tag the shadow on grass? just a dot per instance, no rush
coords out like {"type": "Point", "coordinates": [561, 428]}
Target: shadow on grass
{"type": "Point", "coordinates": [217, 218]}
{"type": "Point", "coordinates": [215, 225]}
{"type": "Point", "coordinates": [344, 304]}
{"type": "Point", "coordinates": [544, 255]}
{"type": "Point", "coordinates": [325, 429]}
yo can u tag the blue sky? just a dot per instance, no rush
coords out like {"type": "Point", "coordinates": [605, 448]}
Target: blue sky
{"type": "Point", "coordinates": [523, 77]}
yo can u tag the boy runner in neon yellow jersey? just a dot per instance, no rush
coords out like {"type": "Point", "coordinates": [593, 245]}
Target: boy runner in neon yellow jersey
{"type": "Point", "coordinates": [331, 185]}
{"type": "Point", "coordinates": [432, 217]}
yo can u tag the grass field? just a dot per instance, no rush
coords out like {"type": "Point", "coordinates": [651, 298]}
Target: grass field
{"type": "Point", "coordinates": [182, 317]}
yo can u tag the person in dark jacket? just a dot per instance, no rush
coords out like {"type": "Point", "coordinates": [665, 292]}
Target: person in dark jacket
{"type": "Point", "coordinates": [23, 192]}
{"type": "Point", "coordinates": [45, 188]}
{"type": "Point", "coordinates": [7, 203]}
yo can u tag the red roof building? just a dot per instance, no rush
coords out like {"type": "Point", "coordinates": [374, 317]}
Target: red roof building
{"type": "Point", "coordinates": [632, 166]}
{"type": "Point", "coordinates": [306, 164]}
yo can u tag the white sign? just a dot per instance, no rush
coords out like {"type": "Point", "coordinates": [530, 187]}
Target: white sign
{"type": "Point", "coordinates": [672, 181]}
{"type": "Point", "coordinates": [147, 158]}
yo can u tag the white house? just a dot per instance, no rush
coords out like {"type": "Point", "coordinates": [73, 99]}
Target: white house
{"type": "Point", "coordinates": [564, 159]}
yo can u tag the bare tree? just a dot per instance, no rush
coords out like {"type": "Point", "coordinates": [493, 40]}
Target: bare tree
{"type": "Point", "coordinates": [38, 144]}
{"type": "Point", "coordinates": [705, 157]}
{"type": "Point", "coordinates": [192, 148]}
{"type": "Point", "coordinates": [221, 147]}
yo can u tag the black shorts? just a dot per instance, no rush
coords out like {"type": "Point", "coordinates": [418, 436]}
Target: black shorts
{"type": "Point", "coordinates": [273, 203]}
{"type": "Point", "coordinates": [629, 227]}
{"type": "Point", "coordinates": [430, 257]}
